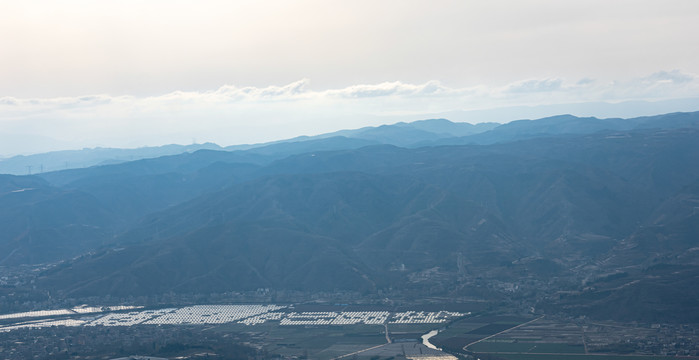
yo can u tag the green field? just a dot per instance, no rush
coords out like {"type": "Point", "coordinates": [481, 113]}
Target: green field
{"type": "Point", "coordinates": [493, 328]}
{"type": "Point", "coordinates": [526, 347]}
{"type": "Point", "coordinates": [291, 340]}
{"type": "Point", "coordinates": [411, 328]}
{"type": "Point", "coordinates": [469, 329]}
{"type": "Point", "coordinates": [460, 328]}
{"type": "Point", "coordinates": [581, 357]}
{"type": "Point", "coordinates": [315, 342]}
{"type": "Point", "coordinates": [481, 326]}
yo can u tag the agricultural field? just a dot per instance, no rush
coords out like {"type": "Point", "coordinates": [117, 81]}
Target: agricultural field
{"type": "Point", "coordinates": [548, 339]}
{"type": "Point", "coordinates": [332, 341]}
{"type": "Point", "coordinates": [499, 346]}
{"type": "Point", "coordinates": [382, 332]}
{"type": "Point", "coordinates": [469, 330]}
{"type": "Point", "coordinates": [323, 342]}
{"type": "Point", "coordinates": [314, 332]}
{"type": "Point", "coordinates": [579, 357]}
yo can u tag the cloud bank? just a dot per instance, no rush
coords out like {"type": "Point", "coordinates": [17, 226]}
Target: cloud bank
{"type": "Point", "coordinates": [233, 115]}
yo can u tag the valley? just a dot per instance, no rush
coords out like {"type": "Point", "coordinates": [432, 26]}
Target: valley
{"type": "Point", "coordinates": [339, 331]}
{"type": "Point", "coordinates": [582, 224]}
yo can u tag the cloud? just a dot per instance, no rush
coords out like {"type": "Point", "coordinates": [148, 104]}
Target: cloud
{"type": "Point", "coordinates": [585, 82]}
{"type": "Point", "coordinates": [230, 93]}
{"type": "Point", "coordinates": [64, 102]}
{"type": "Point", "coordinates": [391, 89]}
{"type": "Point", "coordinates": [534, 85]}
{"type": "Point", "coordinates": [9, 101]}
{"type": "Point", "coordinates": [585, 89]}
{"type": "Point", "coordinates": [668, 77]}
{"type": "Point", "coordinates": [660, 85]}
{"type": "Point", "coordinates": [269, 93]}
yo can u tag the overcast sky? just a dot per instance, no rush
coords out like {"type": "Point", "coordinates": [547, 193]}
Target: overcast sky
{"type": "Point", "coordinates": [79, 74]}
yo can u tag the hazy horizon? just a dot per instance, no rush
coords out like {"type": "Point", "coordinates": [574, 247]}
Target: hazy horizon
{"type": "Point", "coordinates": [504, 115]}
{"type": "Point", "coordinates": [79, 74]}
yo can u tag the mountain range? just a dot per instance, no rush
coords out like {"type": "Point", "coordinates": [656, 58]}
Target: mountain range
{"type": "Point", "coordinates": [414, 134]}
{"type": "Point", "coordinates": [580, 214]}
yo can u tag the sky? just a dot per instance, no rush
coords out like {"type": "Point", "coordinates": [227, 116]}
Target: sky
{"type": "Point", "coordinates": [77, 74]}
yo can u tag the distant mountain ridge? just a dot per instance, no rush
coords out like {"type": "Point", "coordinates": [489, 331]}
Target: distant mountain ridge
{"type": "Point", "coordinates": [71, 159]}
{"type": "Point", "coordinates": [429, 132]}
{"type": "Point", "coordinates": [400, 134]}
{"type": "Point", "coordinates": [569, 124]}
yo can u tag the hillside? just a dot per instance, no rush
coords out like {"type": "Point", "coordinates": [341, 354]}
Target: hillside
{"type": "Point", "coordinates": [561, 206]}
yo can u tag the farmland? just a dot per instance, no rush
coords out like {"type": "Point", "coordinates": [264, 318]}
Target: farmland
{"type": "Point", "coordinates": [357, 331]}
{"type": "Point", "coordinates": [542, 338]}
